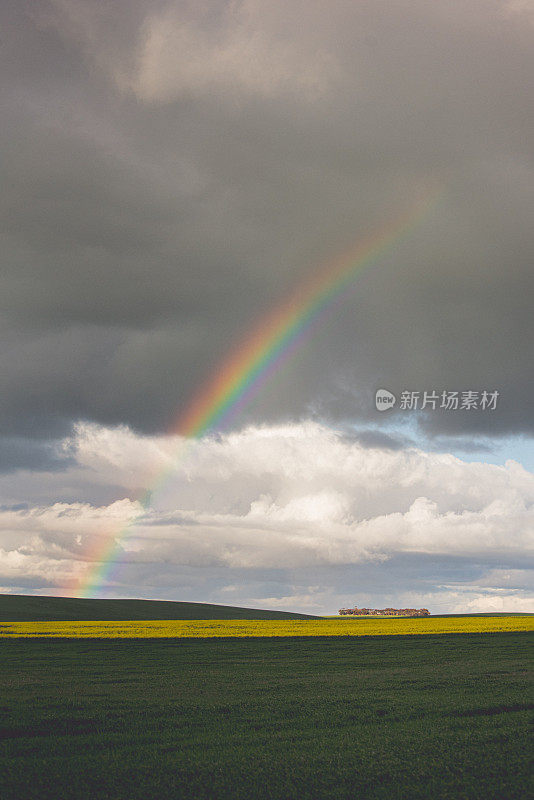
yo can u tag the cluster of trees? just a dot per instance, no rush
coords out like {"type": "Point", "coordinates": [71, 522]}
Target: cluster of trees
{"type": "Point", "coordinates": [385, 612]}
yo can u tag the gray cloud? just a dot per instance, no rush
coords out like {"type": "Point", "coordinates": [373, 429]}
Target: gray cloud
{"type": "Point", "coordinates": [172, 170]}
{"type": "Point", "coordinates": [379, 439]}
{"type": "Point", "coordinates": [20, 453]}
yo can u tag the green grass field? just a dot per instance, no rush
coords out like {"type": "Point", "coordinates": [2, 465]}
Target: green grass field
{"type": "Point", "coordinates": [437, 716]}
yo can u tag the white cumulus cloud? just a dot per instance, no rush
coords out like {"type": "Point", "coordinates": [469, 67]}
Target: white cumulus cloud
{"type": "Point", "coordinates": [294, 497]}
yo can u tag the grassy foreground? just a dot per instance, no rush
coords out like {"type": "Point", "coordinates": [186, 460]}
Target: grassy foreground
{"type": "Point", "coordinates": [390, 718]}
{"type": "Point", "coordinates": [342, 626]}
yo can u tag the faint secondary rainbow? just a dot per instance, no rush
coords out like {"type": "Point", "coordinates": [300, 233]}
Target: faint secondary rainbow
{"type": "Point", "coordinates": [241, 375]}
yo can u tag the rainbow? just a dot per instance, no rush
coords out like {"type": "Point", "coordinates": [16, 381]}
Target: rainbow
{"type": "Point", "coordinates": [242, 374]}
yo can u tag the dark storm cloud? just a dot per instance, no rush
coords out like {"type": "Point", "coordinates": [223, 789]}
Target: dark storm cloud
{"type": "Point", "coordinates": [172, 169]}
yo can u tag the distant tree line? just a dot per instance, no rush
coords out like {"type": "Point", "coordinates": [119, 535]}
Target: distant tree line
{"type": "Point", "coordinates": [385, 612]}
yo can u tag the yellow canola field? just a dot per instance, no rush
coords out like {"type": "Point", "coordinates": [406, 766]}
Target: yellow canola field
{"type": "Point", "coordinates": [132, 629]}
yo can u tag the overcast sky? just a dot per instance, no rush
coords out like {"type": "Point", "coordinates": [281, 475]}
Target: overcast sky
{"type": "Point", "coordinates": [171, 171]}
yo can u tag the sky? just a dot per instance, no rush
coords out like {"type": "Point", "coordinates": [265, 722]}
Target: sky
{"type": "Point", "coordinates": [173, 172]}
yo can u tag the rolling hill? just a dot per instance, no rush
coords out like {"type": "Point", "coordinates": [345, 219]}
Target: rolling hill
{"type": "Point", "coordinates": [31, 608]}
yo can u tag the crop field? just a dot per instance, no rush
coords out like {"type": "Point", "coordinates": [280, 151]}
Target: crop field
{"type": "Point", "coordinates": [342, 626]}
{"type": "Point", "coordinates": [438, 717]}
